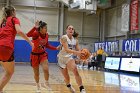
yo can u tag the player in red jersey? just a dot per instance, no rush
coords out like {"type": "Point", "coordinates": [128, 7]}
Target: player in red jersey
{"type": "Point", "coordinates": [9, 27]}
{"type": "Point", "coordinates": [39, 55]}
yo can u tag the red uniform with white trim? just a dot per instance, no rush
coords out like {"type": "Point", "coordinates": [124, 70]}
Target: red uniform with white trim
{"type": "Point", "coordinates": [7, 37]}
{"type": "Point", "coordinates": [40, 41]}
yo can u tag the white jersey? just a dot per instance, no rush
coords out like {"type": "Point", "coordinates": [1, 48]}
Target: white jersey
{"type": "Point", "coordinates": [71, 45]}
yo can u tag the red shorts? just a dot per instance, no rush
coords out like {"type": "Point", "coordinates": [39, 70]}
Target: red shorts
{"type": "Point", "coordinates": [37, 58]}
{"type": "Point", "coordinates": [6, 54]}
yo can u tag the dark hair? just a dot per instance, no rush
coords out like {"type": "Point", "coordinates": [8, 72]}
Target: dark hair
{"type": "Point", "coordinates": [75, 34]}
{"type": "Point", "coordinates": [67, 26]}
{"type": "Point", "coordinates": [8, 11]}
{"type": "Point", "coordinates": [41, 25]}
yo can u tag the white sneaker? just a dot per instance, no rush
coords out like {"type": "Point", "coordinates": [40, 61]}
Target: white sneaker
{"type": "Point", "coordinates": [38, 88]}
{"type": "Point", "coordinates": [72, 90]}
{"type": "Point", "coordinates": [47, 85]}
{"type": "Point", "coordinates": [38, 91]}
{"type": "Point", "coordinates": [83, 91]}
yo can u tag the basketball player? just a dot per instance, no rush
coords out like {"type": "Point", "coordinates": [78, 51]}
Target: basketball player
{"type": "Point", "coordinates": [9, 27]}
{"type": "Point", "coordinates": [70, 47]}
{"type": "Point", "coordinates": [39, 55]}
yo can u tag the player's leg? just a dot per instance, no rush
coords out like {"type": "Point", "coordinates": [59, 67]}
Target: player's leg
{"type": "Point", "coordinates": [35, 66]}
{"type": "Point", "coordinates": [6, 55]}
{"type": "Point", "coordinates": [67, 79]}
{"type": "Point", "coordinates": [72, 66]}
{"type": "Point", "coordinates": [45, 68]}
{"type": "Point", "coordinates": [9, 70]}
{"type": "Point", "coordinates": [36, 77]}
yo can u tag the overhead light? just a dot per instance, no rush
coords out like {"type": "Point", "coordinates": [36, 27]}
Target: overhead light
{"type": "Point", "coordinates": [75, 4]}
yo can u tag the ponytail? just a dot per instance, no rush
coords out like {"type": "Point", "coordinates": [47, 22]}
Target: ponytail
{"type": "Point", "coordinates": [8, 11]}
{"type": "Point", "coordinates": [41, 25]}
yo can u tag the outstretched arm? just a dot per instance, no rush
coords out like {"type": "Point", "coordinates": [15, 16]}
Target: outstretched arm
{"type": "Point", "coordinates": [19, 31]}
{"type": "Point", "coordinates": [31, 32]}
{"type": "Point", "coordinates": [51, 47]}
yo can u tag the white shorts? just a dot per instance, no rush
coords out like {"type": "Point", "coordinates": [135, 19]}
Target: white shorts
{"type": "Point", "coordinates": [62, 61]}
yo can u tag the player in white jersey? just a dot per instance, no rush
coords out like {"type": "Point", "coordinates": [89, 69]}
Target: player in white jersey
{"type": "Point", "coordinates": [70, 48]}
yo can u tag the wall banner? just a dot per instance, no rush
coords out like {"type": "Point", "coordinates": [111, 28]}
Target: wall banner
{"type": "Point", "coordinates": [108, 46]}
{"type": "Point", "coordinates": [134, 15]}
{"type": "Point", "coordinates": [125, 17]}
{"type": "Point", "coordinates": [132, 45]}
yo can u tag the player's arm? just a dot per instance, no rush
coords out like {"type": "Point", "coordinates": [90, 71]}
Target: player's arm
{"type": "Point", "coordinates": [51, 47]}
{"type": "Point", "coordinates": [59, 47]}
{"type": "Point", "coordinates": [30, 33]}
{"type": "Point", "coordinates": [19, 31]}
{"type": "Point", "coordinates": [65, 46]}
{"type": "Point", "coordinates": [0, 22]}
{"type": "Point", "coordinates": [48, 45]}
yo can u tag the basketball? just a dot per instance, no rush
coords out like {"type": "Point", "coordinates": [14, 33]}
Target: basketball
{"type": "Point", "coordinates": [85, 54]}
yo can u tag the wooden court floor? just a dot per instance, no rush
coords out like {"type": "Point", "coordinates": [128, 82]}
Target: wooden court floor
{"type": "Point", "coordinates": [94, 81]}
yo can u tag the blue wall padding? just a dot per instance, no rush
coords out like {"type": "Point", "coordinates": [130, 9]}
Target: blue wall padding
{"type": "Point", "coordinates": [52, 54]}
{"type": "Point", "coordinates": [23, 50]}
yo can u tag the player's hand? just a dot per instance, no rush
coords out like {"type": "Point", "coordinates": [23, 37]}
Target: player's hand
{"type": "Point", "coordinates": [37, 24]}
{"type": "Point", "coordinates": [59, 47]}
{"type": "Point", "coordinates": [78, 53]}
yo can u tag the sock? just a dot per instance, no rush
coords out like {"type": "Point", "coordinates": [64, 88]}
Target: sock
{"type": "Point", "coordinates": [69, 85]}
{"type": "Point", "coordinates": [81, 87]}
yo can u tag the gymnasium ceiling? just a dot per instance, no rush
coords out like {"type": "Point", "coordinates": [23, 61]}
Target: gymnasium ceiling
{"type": "Point", "coordinates": [37, 3]}
{"type": "Point", "coordinates": [55, 3]}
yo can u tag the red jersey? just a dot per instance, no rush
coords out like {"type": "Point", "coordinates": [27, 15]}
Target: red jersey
{"type": "Point", "coordinates": [8, 32]}
{"type": "Point", "coordinates": [40, 41]}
